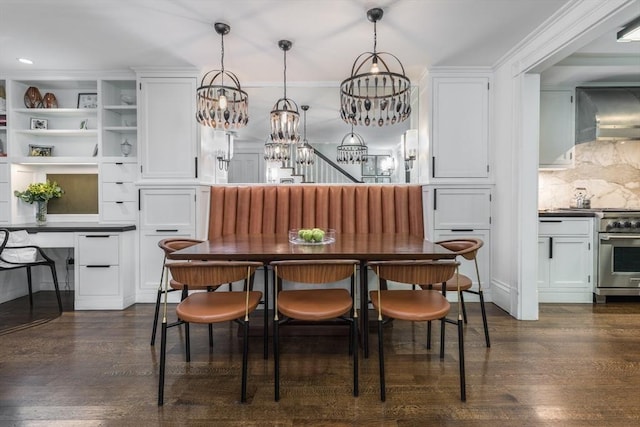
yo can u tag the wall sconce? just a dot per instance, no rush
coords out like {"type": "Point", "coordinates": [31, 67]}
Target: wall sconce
{"type": "Point", "coordinates": [224, 158]}
{"type": "Point", "coordinates": [409, 159]}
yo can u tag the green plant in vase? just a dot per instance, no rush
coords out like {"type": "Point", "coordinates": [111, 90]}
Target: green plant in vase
{"type": "Point", "coordinates": [40, 193]}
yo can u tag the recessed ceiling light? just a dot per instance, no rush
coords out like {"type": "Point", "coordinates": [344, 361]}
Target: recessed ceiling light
{"type": "Point", "coordinates": [25, 61]}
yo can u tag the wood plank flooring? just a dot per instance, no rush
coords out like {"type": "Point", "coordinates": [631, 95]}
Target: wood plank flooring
{"type": "Point", "coordinates": [579, 365]}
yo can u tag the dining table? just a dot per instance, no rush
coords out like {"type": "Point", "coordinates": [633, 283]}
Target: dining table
{"type": "Point", "coordinates": [363, 247]}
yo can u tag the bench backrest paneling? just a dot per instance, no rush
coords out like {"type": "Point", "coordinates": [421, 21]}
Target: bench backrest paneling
{"type": "Point", "coordinates": [355, 208]}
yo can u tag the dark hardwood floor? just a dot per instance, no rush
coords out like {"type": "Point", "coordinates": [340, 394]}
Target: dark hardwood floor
{"type": "Point", "coordinates": [579, 365]}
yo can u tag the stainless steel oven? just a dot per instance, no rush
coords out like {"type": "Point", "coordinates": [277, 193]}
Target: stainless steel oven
{"type": "Point", "coordinates": [619, 254]}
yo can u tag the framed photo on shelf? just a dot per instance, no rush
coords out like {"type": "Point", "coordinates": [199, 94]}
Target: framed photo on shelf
{"type": "Point", "coordinates": [37, 124]}
{"type": "Point", "coordinates": [87, 100]}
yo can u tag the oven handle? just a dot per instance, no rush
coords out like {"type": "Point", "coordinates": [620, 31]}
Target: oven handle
{"type": "Point", "coordinates": [619, 237]}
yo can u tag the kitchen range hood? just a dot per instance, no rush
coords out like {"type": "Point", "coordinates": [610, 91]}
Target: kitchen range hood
{"type": "Point", "coordinates": [607, 114]}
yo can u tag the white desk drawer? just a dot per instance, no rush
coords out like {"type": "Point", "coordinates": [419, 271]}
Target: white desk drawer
{"type": "Point", "coordinates": [117, 172]}
{"type": "Point", "coordinates": [97, 281]}
{"type": "Point", "coordinates": [565, 226]}
{"type": "Point", "coordinates": [119, 211]}
{"type": "Point", "coordinates": [52, 240]}
{"type": "Point", "coordinates": [119, 192]}
{"type": "Point", "coordinates": [98, 249]}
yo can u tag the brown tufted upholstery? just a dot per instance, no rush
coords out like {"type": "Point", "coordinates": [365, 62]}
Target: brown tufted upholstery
{"type": "Point", "coordinates": [358, 208]}
{"type": "Point", "coordinates": [414, 304]}
{"type": "Point", "coordinates": [316, 304]}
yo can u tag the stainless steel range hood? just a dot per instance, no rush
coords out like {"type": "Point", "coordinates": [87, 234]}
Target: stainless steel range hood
{"type": "Point", "coordinates": [607, 114]}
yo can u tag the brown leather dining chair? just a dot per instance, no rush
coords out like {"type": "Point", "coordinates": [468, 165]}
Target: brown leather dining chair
{"type": "Point", "coordinates": [316, 303]}
{"type": "Point", "coordinates": [211, 307]}
{"type": "Point", "coordinates": [168, 246]}
{"type": "Point", "coordinates": [414, 304]}
{"type": "Point", "coordinates": [10, 261]}
{"type": "Point", "coordinates": [467, 248]}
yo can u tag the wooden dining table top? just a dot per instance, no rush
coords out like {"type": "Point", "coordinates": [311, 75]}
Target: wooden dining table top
{"type": "Point", "coordinates": [271, 247]}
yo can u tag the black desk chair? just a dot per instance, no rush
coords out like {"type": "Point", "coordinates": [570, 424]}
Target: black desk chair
{"type": "Point", "coordinates": [9, 260]}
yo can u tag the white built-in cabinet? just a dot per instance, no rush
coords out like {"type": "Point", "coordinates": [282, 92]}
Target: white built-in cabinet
{"type": "Point", "coordinates": [455, 212]}
{"type": "Point", "coordinates": [165, 212]}
{"type": "Point", "coordinates": [5, 192]}
{"type": "Point", "coordinates": [168, 129]}
{"type": "Point", "coordinates": [105, 270]}
{"type": "Point", "coordinates": [565, 259]}
{"type": "Point", "coordinates": [459, 115]}
{"type": "Point", "coordinates": [557, 112]}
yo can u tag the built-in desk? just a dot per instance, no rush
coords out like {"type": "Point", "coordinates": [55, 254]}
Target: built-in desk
{"type": "Point", "coordinates": [104, 255]}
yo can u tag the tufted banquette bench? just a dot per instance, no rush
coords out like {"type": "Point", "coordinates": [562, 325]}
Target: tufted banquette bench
{"type": "Point", "coordinates": [357, 208]}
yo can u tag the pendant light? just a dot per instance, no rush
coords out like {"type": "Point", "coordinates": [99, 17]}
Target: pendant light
{"type": "Point", "coordinates": [221, 102]}
{"type": "Point", "coordinates": [276, 152]}
{"type": "Point", "coordinates": [374, 95]}
{"type": "Point", "coordinates": [285, 117]}
{"type": "Point", "coordinates": [305, 154]}
{"type": "Point", "coordinates": [352, 149]}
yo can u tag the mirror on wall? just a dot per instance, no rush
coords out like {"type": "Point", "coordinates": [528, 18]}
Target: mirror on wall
{"type": "Point", "coordinates": [325, 131]}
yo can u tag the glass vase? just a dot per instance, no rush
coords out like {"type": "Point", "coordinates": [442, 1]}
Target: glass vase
{"type": "Point", "coordinates": [41, 212]}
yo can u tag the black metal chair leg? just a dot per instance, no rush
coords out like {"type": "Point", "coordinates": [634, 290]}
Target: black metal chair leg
{"type": "Point", "coordinates": [52, 266]}
{"type": "Point", "coordinates": [30, 287]}
{"type": "Point", "coordinates": [354, 343]}
{"type": "Point", "coordinates": [163, 356]}
{"type": "Point", "coordinates": [442, 328]}
{"type": "Point", "coordinates": [187, 341]}
{"type": "Point", "coordinates": [464, 308]}
{"type": "Point", "coordinates": [428, 334]}
{"type": "Point", "coordinates": [276, 360]}
{"type": "Point", "coordinates": [265, 335]}
{"type": "Point", "coordinates": [210, 335]}
{"type": "Point", "coordinates": [245, 360]}
{"type": "Point", "coordinates": [381, 362]}
{"type": "Point", "coordinates": [484, 319]}
{"type": "Point", "coordinates": [155, 317]}
{"type": "Point", "coordinates": [463, 385]}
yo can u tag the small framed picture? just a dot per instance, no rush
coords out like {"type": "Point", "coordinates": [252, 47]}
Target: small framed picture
{"type": "Point", "coordinates": [87, 100]}
{"type": "Point", "coordinates": [37, 124]}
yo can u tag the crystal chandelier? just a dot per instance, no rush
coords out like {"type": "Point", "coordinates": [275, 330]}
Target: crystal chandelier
{"type": "Point", "coordinates": [221, 102]}
{"type": "Point", "coordinates": [374, 95]}
{"type": "Point", "coordinates": [352, 149]}
{"type": "Point", "coordinates": [285, 117]}
{"type": "Point", "coordinates": [305, 154]}
{"type": "Point", "coordinates": [276, 152]}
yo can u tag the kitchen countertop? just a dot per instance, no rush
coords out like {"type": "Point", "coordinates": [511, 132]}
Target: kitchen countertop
{"type": "Point", "coordinates": [53, 227]}
{"type": "Point", "coordinates": [569, 213]}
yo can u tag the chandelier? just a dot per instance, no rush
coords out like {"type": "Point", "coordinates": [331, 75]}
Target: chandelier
{"type": "Point", "coordinates": [305, 154]}
{"type": "Point", "coordinates": [276, 152]}
{"type": "Point", "coordinates": [373, 94]}
{"type": "Point", "coordinates": [352, 149]}
{"type": "Point", "coordinates": [285, 117]}
{"type": "Point", "coordinates": [221, 102]}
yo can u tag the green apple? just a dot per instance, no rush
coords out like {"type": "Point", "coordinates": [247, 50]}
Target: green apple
{"type": "Point", "coordinates": [307, 235]}
{"type": "Point", "coordinates": [317, 234]}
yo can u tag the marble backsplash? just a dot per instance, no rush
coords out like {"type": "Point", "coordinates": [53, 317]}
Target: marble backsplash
{"type": "Point", "coordinates": [610, 171]}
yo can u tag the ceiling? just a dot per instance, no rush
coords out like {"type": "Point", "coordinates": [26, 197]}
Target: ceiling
{"type": "Point", "coordinates": [327, 36]}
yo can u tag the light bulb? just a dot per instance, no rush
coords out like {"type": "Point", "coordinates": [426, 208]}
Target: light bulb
{"type": "Point", "coordinates": [374, 66]}
{"type": "Point", "coordinates": [222, 101]}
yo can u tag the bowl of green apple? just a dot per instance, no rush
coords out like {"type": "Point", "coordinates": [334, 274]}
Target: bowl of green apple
{"type": "Point", "coordinates": [312, 236]}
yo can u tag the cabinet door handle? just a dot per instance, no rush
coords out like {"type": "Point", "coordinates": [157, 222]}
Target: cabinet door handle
{"type": "Point", "coordinates": [98, 236]}
{"type": "Point", "coordinates": [119, 203]}
{"type": "Point", "coordinates": [119, 163]}
{"type": "Point", "coordinates": [550, 220]}
{"type": "Point", "coordinates": [167, 231]}
{"type": "Point", "coordinates": [550, 247]}
{"type": "Point", "coordinates": [462, 230]}
{"type": "Point", "coordinates": [119, 183]}
{"type": "Point", "coordinates": [98, 266]}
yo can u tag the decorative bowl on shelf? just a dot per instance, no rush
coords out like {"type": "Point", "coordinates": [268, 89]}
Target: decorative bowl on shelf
{"type": "Point", "coordinates": [312, 236]}
{"type": "Point", "coordinates": [40, 150]}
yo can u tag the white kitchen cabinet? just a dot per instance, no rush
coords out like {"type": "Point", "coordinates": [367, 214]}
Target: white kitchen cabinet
{"type": "Point", "coordinates": [119, 118]}
{"type": "Point", "coordinates": [164, 213]}
{"type": "Point", "coordinates": [105, 271]}
{"type": "Point", "coordinates": [556, 128]}
{"type": "Point", "coordinates": [460, 127]}
{"type": "Point", "coordinates": [168, 132]}
{"type": "Point", "coordinates": [5, 193]}
{"type": "Point", "coordinates": [565, 259]}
